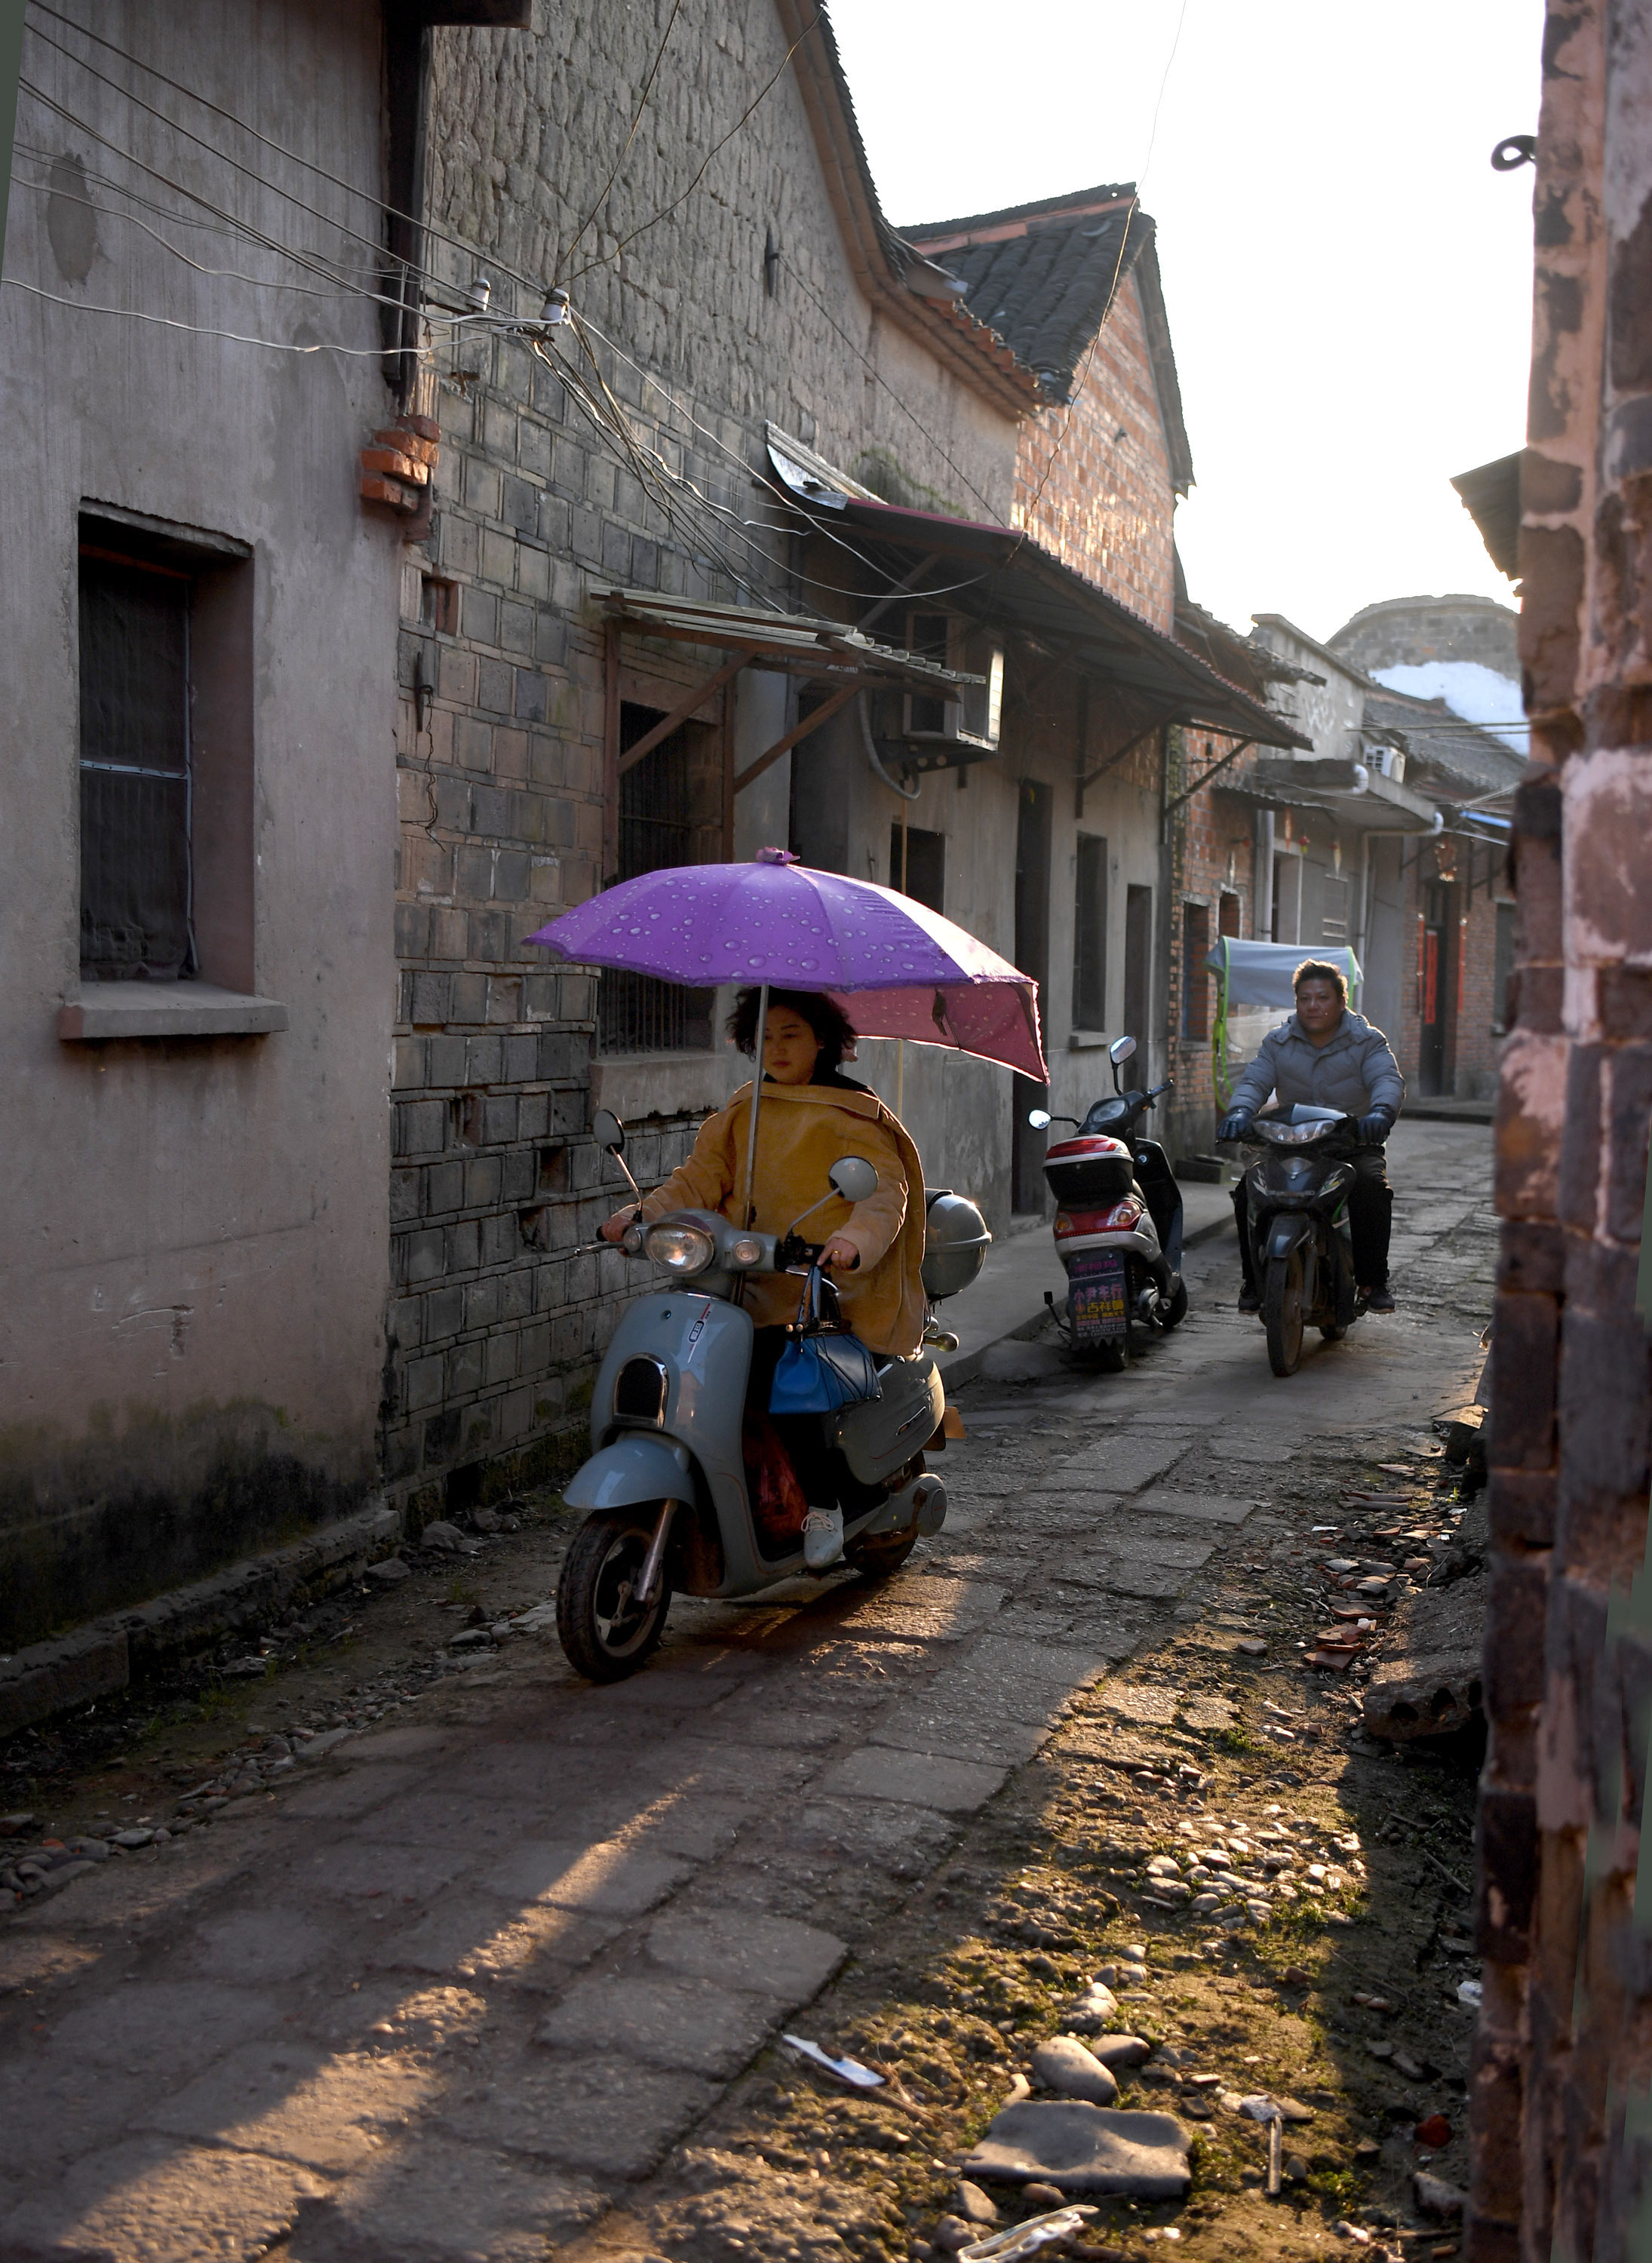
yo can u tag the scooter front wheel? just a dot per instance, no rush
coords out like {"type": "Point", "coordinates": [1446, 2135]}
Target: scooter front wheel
{"type": "Point", "coordinates": [1282, 1312]}
{"type": "Point", "coordinates": [605, 1633]}
{"type": "Point", "coordinates": [1177, 1311]}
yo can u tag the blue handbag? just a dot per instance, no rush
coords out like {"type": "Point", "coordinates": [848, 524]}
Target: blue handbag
{"type": "Point", "coordinates": [821, 1369]}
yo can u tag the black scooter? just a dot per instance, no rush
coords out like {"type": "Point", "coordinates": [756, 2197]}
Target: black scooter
{"type": "Point", "coordinates": [1301, 1247]}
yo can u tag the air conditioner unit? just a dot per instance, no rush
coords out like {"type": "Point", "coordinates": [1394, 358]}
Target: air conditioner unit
{"type": "Point", "coordinates": [955, 726]}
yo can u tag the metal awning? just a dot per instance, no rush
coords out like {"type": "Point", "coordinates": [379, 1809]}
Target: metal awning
{"type": "Point", "coordinates": [825, 652]}
{"type": "Point", "coordinates": [1020, 585]}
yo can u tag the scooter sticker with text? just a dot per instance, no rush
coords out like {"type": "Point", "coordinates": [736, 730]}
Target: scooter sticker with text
{"type": "Point", "coordinates": [1096, 1295]}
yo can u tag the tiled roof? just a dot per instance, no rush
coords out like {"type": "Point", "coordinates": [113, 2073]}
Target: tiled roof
{"type": "Point", "coordinates": [1044, 276]}
{"type": "Point", "coordinates": [1450, 750]}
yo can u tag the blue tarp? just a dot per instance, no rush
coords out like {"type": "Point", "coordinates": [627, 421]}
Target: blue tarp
{"type": "Point", "coordinates": [1259, 973]}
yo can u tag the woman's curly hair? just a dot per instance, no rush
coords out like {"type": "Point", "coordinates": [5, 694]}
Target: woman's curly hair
{"type": "Point", "coordinates": [827, 1019]}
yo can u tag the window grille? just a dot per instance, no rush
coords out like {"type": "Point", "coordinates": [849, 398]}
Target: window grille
{"type": "Point", "coordinates": [1333, 919]}
{"type": "Point", "coordinates": [135, 879]}
{"type": "Point", "coordinates": [1196, 979]}
{"type": "Point", "coordinates": [1089, 935]}
{"type": "Point", "coordinates": [665, 805]}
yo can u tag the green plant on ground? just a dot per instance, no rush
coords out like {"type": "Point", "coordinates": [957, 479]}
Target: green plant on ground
{"type": "Point", "coordinates": [461, 1590]}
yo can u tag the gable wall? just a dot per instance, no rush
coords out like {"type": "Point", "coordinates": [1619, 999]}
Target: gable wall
{"type": "Point", "coordinates": [1107, 507]}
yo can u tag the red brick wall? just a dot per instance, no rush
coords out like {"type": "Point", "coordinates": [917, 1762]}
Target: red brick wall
{"type": "Point", "coordinates": [1103, 504]}
{"type": "Point", "coordinates": [1214, 855]}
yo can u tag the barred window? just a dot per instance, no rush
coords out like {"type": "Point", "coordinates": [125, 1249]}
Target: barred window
{"type": "Point", "coordinates": [136, 910]}
{"type": "Point", "coordinates": [670, 812]}
{"type": "Point", "coordinates": [1089, 935]}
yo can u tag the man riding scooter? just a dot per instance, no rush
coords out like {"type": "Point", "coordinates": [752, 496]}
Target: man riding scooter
{"type": "Point", "coordinates": [1326, 1056]}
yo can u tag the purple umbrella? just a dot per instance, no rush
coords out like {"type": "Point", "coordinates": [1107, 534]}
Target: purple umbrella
{"type": "Point", "coordinates": [774, 922]}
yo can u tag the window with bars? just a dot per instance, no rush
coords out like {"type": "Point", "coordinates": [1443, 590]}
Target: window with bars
{"type": "Point", "coordinates": [1089, 935]}
{"type": "Point", "coordinates": [1196, 978]}
{"type": "Point", "coordinates": [670, 812]}
{"type": "Point", "coordinates": [137, 880]}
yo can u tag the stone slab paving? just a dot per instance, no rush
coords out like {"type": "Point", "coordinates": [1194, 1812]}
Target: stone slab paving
{"type": "Point", "coordinates": [450, 1993]}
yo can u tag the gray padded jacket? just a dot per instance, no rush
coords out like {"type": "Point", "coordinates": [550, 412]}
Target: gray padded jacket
{"type": "Point", "coordinates": [1355, 1071]}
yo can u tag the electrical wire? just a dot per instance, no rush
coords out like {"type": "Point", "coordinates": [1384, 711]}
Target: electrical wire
{"type": "Point", "coordinates": [626, 241]}
{"type": "Point", "coordinates": [614, 173]}
{"type": "Point", "coordinates": [781, 494]}
{"type": "Point", "coordinates": [196, 330]}
{"type": "Point", "coordinates": [218, 274]}
{"type": "Point", "coordinates": [876, 374]}
{"type": "Point", "coordinates": [891, 586]}
{"type": "Point", "coordinates": [328, 220]}
{"type": "Point", "coordinates": [314, 262]}
{"type": "Point", "coordinates": [1113, 288]}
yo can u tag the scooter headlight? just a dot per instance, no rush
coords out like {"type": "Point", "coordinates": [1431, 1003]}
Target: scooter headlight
{"type": "Point", "coordinates": [681, 1249]}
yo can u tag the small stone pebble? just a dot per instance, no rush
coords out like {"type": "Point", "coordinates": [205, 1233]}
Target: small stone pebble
{"type": "Point", "coordinates": [952, 2233]}
{"type": "Point", "coordinates": [1039, 2195]}
{"type": "Point", "coordinates": [1068, 2067]}
{"type": "Point", "coordinates": [974, 2205]}
{"type": "Point", "coordinates": [1116, 2051]}
{"type": "Point", "coordinates": [389, 1573]}
{"type": "Point", "coordinates": [1436, 2197]}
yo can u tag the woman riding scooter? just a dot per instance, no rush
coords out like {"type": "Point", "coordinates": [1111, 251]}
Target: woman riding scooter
{"type": "Point", "coordinates": [812, 1116]}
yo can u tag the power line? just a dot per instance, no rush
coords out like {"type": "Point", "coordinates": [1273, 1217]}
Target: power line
{"type": "Point", "coordinates": [196, 330]}
{"type": "Point", "coordinates": [1113, 288]}
{"type": "Point", "coordinates": [781, 494]}
{"type": "Point", "coordinates": [626, 241]}
{"type": "Point", "coordinates": [877, 375]}
{"type": "Point", "coordinates": [219, 274]}
{"type": "Point", "coordinates": [613, 174]}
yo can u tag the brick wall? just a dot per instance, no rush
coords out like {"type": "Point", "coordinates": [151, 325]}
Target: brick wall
{"type": "Point", "coordinates": [494, 1324]}
{"type": "Point", "coordinates": [1213, 856]}
{"type": "Point", "coordinates": [1563, 2055]}
{"type": "Point", "coordinates": [1102, 501]}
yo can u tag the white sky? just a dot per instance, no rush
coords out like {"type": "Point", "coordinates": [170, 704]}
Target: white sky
{"type": "Point", "coordinates": [1348, 281]}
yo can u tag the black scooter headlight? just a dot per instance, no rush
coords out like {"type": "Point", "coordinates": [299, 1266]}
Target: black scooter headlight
{"type": "Point", "coordinates": [681, 1249]}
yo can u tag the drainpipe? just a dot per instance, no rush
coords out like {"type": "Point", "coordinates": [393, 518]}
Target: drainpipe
{"type": "Point", "coordinates": [1262, 878]}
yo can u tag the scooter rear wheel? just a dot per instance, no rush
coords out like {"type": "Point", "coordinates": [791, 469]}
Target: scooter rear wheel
{"type": "Point", "coordinates": [604, 1635]}
{"type": "Point", "coordinates": [1282, 1312]}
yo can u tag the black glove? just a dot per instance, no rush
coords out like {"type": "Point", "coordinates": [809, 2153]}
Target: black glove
{"type": "Point", "coordinates": [1376, 1127]}
{"type": "Point", "coordinates": [1235, 1126]}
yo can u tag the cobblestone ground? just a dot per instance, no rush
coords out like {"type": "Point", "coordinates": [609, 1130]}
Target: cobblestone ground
{"type": "Point", "coordinates": [499, 1971]}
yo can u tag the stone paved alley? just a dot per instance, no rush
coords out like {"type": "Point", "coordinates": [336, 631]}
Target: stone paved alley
{"type": "Point", "coordinates": [499, 1975]}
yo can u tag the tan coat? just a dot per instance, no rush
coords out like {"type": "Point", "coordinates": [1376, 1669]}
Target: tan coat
{"type": "Point", "coordinates": [802, 1130]}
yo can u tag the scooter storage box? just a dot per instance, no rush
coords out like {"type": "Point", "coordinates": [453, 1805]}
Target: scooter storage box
{"type": "Point", "coordinates": [955, 1242]}
{"type": "Point", "coordinates": [1087, 1174]}
{"type": "Point", "coordinates": [880, 1435]}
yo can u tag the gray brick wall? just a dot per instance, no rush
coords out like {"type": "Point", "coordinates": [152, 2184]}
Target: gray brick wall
{"type": "Point", "coordinates": [493, 1328]}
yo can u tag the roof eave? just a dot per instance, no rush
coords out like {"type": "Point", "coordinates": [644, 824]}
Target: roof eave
{"type": "Point", "coordinates": [975, 352]}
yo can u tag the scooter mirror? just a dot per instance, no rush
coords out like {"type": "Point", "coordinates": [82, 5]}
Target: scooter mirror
{"type": "Point", "coordinates": [1039, 1118]}
{"type": "Point", "coordinates": [854, 1178]}
{"type": "Point", "coordinates": [1121, 1050]}
{"type": "Point", "coordinates": [608, 1131]}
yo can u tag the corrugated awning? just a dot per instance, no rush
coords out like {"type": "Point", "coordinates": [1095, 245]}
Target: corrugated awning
{"type": "Point", "coordinates": [839, 659]}
{"type": "Point", "coordinates": [801, 643]}
{"type": "Point", "coordinates": [1020, 585]}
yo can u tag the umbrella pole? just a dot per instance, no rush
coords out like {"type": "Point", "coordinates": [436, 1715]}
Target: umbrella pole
{"type": "Point", "coordinates": [757, 1094]}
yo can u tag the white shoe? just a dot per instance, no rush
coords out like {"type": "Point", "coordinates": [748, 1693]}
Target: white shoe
{"type": "Point", "coordinates": [823, 1538]}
